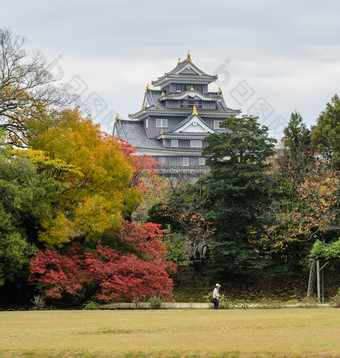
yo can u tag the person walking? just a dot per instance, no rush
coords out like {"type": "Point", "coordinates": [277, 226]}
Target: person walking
{"type": "Point", "coordinates": [216, 296]}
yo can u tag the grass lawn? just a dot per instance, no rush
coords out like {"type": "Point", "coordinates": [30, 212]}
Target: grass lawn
{"type": "Point", "coordinates": [171, 333]}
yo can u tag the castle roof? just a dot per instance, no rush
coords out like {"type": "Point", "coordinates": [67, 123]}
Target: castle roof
{"type": "Point", "coordinates": [154, 100]}
{"type": "Point", "coordinates": [184, 71]}
{"type": "Point", "coordinates": [192, 93]}
{"type": "Point", "coordinates": [134, 132]}
{"type": "Point", "coordinates": [193, 124]}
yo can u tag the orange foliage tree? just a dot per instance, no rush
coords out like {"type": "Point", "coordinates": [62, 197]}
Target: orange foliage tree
{"type": "Point", "coordinates": [305, 209]}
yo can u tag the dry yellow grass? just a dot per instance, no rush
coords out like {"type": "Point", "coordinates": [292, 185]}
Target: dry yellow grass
{"type": "Point", "coordinates": [171, 333]}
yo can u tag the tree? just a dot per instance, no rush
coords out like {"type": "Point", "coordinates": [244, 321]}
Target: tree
{"type": "Point", "coordinates": [99, 193]}
{"type": "Point", "coordinates": [305, 198]}
{"type": "Point", "coordinates": [142, 163]}
{"type": "Point", "coordinates": [326, 134]}
{"type": "Point", "coordinates": [128, 265]}
{"type": "Point", "coordinates": [304, 210]}
{"type": "Point", "coordinates": [297, 137]}
{"type": "Point", "coordinates": [296, 154]}
{"type": "Point", "coordinates": [22, 206]}
{"type": "Point", "coordinates": [236, 190]}
{"type": "Point", "coordinates": [144, 178]}
{"type": "Point", "coordinates": [181, 214]}
{"type": "Point", "coordinates": [25, 88]}
{"type": "Point", "coordinates": [328, 251]}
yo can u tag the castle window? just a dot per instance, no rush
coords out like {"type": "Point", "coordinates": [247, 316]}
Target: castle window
{"type": "Point", "coordinates": [185, 162]}
{"type": "Point", "coordinates": [174, 143]}
{"type": "Point", "coordinates": [147, 123]}
{"type": "Point", "coordinates": [161, 122]}
{"type": "Point", "coordinates": [201, 161]}
{"type": "Point", "coordinates": [194, 143]}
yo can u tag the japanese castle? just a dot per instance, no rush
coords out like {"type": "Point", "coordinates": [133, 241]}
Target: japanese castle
{"type": "Point", "coordinates": [175, 118]}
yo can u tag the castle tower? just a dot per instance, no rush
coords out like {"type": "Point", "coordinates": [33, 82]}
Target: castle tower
{"type": "Point", "coordinates": [175, 118]}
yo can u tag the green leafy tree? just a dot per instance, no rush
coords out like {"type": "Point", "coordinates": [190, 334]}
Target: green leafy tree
{"type": "Point", "coordinates": [22, 206]}
{"type": "Point", "coordinates": [236, 191]}
{"type": "Point", "coordinates": [328, 251]}
{"type": "Point", "coordinates": [326, 134]}
{"type": "Point", "coordinates": [181, 214]}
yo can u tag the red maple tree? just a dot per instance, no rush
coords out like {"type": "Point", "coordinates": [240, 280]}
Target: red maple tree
{"type": "Point", "coordinates": [135, 269]}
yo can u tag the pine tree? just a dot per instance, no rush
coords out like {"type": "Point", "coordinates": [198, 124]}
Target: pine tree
{"type": "Point", "coordinates": [236, 190]}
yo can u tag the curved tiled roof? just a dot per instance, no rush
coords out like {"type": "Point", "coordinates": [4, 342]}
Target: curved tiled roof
{"type": "Point", "coordinates": [183, 94]}
{"type": "Point", "coordinates": [182, 64]}
{"type": "Point", "coordinates": [134, 133]}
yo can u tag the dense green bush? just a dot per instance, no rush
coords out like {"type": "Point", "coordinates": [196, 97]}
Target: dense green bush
{"type": "Point", "coordinates": [91, 306]}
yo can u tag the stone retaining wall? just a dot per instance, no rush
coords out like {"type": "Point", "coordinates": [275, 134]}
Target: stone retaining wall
{"type": "Point", "coordinates": [179, 305]}
{"type": "Point", "coordinates": [118, 305]}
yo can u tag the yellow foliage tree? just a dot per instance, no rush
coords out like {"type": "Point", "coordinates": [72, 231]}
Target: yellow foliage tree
{"type": "Point", "coordinates": [96, 192]}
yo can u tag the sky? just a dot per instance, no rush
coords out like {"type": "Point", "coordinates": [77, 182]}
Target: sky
{"type": "Point", "coordinates": [271, 57]}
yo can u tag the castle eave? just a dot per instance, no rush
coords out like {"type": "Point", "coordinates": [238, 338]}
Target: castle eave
{"type": "Point", "coordinates": [184, 78]}
{"type": "Point", "coordinates": [170, 152]}
{"type": "Point", "coordinates": [185, 112]}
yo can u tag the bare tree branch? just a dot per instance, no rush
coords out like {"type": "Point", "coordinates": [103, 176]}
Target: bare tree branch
{"type": "Point", "coordinates": [25, 87]}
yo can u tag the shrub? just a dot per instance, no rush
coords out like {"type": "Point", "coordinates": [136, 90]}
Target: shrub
{"type": "Point", "coordinates": [335, 300]}
{"type": "Point", "coordinates": [91, 306]}
{"type": "Point", "coordinates": [39, 302]}
{"type": "Point", "coordinates": [240, 304]}
{"type": "Point", "coordinates": [224, 305]}
{"type": "Point", "coordinates": [155, 303]}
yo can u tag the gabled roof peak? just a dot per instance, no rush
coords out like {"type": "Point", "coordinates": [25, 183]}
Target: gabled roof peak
{"type": "Point", "coordinates": [192, 124]}
{"type": "Point", "coordinates": [184, 69]}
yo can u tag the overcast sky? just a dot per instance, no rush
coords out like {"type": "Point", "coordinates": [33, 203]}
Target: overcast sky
{"type": "Point", "coordinates": [272, 57]}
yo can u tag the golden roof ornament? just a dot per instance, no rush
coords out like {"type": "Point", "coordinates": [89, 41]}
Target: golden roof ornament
{"type": "Point", "coordinates": [219, 90]}
{"type": "Point", "coordinates": [188, 57]}
{"type": "Point", "coordinates": [117, 117]}
{"type": "Point", "coordinates": [179, 60]}
{"type": "Point", "coordinates": [156, 106]}
{"type": "Point", "coordinates": [143, 107]}
{"type": "Point", "coordinates": [194, 111]}
{"type": "Point", "coordinates": [147, 86]}
{"type": "Point", "coordinates": [162, 131]}
{"type": "Point", "coordinates": [163, 94]}
{"type": "Point", "coordinates": [192, 88]}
